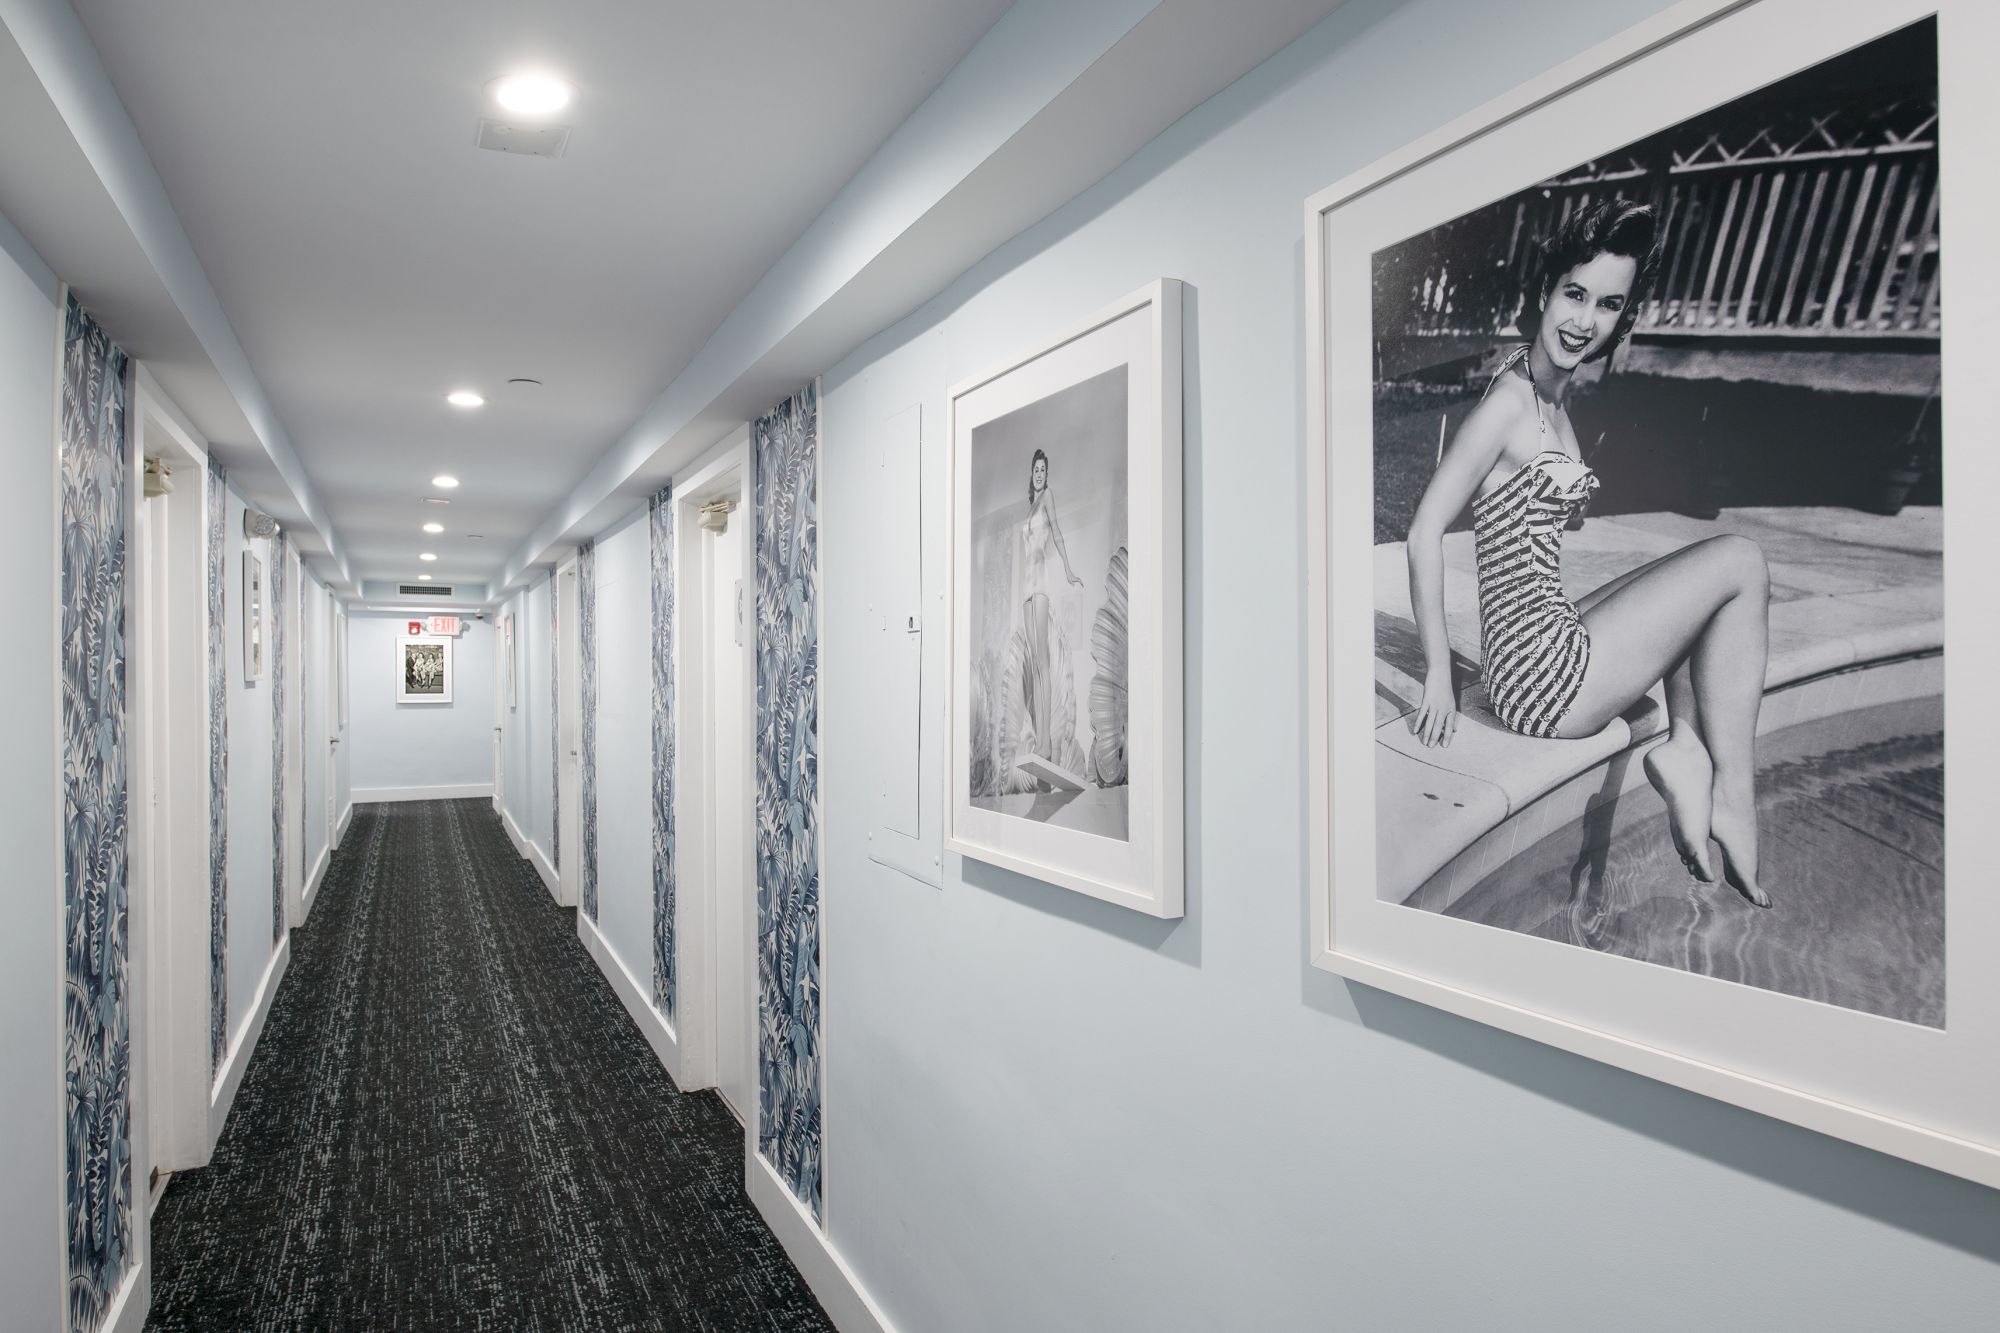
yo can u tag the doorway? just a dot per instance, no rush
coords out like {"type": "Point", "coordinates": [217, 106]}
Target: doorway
{"type": "Point", "coordinates": [569, 730]}
{"type": "Point", "coordinates": [168, 907]}
{"type": "Point", "coordinates": [715, 829]}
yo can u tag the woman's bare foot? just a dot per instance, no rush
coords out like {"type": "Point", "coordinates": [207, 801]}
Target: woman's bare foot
{"type": "Point", "coordinates": [1680, 771]}
{"type": "Point", "coordinates": [1733, 824]}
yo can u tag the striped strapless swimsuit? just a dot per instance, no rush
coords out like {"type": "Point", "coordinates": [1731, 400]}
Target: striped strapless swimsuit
{"type": "Point", "coordinates": [1534, 642]}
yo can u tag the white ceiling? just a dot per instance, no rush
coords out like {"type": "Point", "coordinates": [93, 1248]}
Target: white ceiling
{"type": "Point", "coordinates": [370, 258]}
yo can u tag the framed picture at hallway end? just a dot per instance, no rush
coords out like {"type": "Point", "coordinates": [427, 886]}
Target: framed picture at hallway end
{"type": "Point", "coordinates": [1065, 608]}
{"type": "Point", "coordinates": [1628, 430]}
{"type": "Point", "coordinates": [423, 669]}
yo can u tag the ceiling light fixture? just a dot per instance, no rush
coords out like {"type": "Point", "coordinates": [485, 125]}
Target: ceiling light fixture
{"type": "Point", "coordinates": [444, 481]}
{"type": "Point", "coordinates": [427, 555]}
{"type": "Point", "coordinates": [433, 527]}
{"type": "Point", "coordinates": [531, 94]}
{"type": "Point", "coordinates": [423, 578]}
{"type": "Point", "coordinates": [465, 398]}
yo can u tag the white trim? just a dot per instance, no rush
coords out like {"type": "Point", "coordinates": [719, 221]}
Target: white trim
{"type": "Point", "coordinates": [652, 1025]}
{"type": "Point", "coordinates": [246, 1043]}
{"type": "Point", "coordinates": [313, 883]}
{"type": "Point", "coordinates": [134, 1301]}
{"type": "Point", "coordinates": [846, 1302]}
{"type": "Point", "coordinates": [461, 791]}
{"type": "Point", "coordinates": [529, 851]}
{"type": "Point", "coordinates": [346, 818]}
{"type": "Point", "coordinates": [59, 941]}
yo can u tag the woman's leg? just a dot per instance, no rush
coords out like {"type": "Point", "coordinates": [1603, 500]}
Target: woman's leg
{"type": "Point", "coordinates": [1678, 767]}
{"type": "Point", "coordinates": [1707, 605]}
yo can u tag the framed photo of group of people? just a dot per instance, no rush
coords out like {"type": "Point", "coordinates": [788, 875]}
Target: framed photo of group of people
{"type": "Point", "coordinates": [1628, 424]}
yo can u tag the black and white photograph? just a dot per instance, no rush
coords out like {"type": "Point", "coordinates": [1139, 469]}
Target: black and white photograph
{"type": "Point", "coordinates": [253, 617]}
{"type": "Point", "coordinates": [1050, 566]}
{"type": "Point", "coordinates": [1658, 562]}
{"type": "Point", "coordinates": [423, 671]}
{"type": "Point", "coordinates": [1064, 672]}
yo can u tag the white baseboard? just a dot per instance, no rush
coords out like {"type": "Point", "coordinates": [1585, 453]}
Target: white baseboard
{"type": "Point", "coordinates": [238, 1060]}
{"type": "Point", "coordinates": [846, 1301]}
{"type": "Point", "coordinates": [134, 1301]}
{"type": "Point", "coordinates": [340, 828]}
{"type": "Point", "coordinates": [462, 791]}
{"type": "Point", "coordinates": [634, 995]}
{"type": "Point", "coordinates": [526, 848]}
{"type": "Point", "coordinates": [312, 884]}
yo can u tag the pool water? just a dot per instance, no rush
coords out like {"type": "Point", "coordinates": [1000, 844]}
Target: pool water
{"type": "Point", "coordinates": [1851, 809]}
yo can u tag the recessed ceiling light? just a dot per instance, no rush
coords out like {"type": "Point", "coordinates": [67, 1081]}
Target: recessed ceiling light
{"type": "Point", "coordinates": [531, 94]}
{"type": "Point", "coordinates": [427, 555]}
{"type": "Point", "coordinates": [423, 578]}
{"type": "Point", "coordinates": [444, 482]}
{"type": "Point", "coordinates": [433, 527]}
{"type": "Point", "coordinates": [465, 398]}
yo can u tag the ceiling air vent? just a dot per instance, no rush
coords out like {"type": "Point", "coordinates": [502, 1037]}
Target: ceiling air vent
{"type": "Point", "coordinates": [523, 140]}
{"type": "Point", "coordinates": [424, 589]}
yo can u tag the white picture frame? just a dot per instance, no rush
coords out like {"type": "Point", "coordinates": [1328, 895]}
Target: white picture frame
{"type": "Point", "coordinates": [509, 651]}
{"type": "Point", "coordinates": [255, 599]}
{"type": "Point", "coordinates": [1108, 822]}
{"type": "Point", "coordinates": [1927, 1094]}
{"type": "Point", "coordinates": [423, 669]}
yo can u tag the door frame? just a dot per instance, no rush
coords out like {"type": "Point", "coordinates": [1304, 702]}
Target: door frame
{"type": "Point", "coordinates": [567, 655]}
{"type": "Point", "coordinates": [293, 570]}
{"type": "Point", "coordinates": [727, 469]}
{"type": "Point", "coordinates": [168, 908]}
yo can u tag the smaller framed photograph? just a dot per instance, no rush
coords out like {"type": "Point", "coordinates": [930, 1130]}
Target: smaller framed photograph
{"type": "Point", "coordinates": [508, 650]}
{"type": "Point", "coordinates": [253, 617]}
{"type": "Point", "coordinates": [423, 670]}
{"type": "Point", "coordinates": [1065, 585]}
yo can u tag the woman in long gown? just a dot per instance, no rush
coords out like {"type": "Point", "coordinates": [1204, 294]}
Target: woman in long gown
{"type": "Point", "coordinates": [1043, 694]}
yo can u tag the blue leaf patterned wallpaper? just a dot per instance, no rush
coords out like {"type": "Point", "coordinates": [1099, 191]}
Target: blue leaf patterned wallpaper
{"type": "Point", "coordinates": [661, 518]}
{"type": "Point", "coordinates": [96, 1014]}
{"type": "Point", "coordinates": [586, 619]}
{"type": "Point", "coordinates": [787, 460]}
{"type": "Point", "coordinates": [218, 765]}
{"type": "Point", "coordinates": [555, 723]}
{"type": "Point", "coordinates": [276, 636]}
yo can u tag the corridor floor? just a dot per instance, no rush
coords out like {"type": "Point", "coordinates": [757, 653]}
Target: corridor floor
{"type": "Point", "coordinates": [450, 1123]}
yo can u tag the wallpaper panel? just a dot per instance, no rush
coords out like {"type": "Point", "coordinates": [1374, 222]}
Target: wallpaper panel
{"type": "Point", "coordinates": [218, 765]}
{"type": "Point", "coordinates": [96, 1013]}
{"type": "Point", "coordinates": [276, 635]}
{"type": "Point", "coordinates": [586, 614]}
{"type": "Point", "coordinates": [661, 516]}
{"type": "Point", "coordinates": [555, 724]}
{"type": "Point", "coordinates": [787, 449]}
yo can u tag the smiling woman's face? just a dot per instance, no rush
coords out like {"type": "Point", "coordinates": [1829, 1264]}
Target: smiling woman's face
{"type": "Point", "coordinates": [1580, 316]}
{"type": "Point", "coordinates": [1041, 474]}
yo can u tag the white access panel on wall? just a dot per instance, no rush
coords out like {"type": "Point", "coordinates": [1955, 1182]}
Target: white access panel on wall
{"type": "Point", "coordinates": [903, 827]}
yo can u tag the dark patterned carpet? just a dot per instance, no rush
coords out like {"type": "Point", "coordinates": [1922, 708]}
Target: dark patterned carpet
{"type": "Point", "coordinates": [450, 1123]}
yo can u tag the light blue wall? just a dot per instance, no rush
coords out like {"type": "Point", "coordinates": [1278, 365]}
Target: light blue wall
{"type": "Point", "coordinates": [1043, 1112]}
{"type": "Point", "coordinates": [31, 1144]}
{"type": "Point", "coordinates": [417, 745]}
{"type": "Point", "coordinates": [249, 706]}
{"type": "Point", "coordinates": [625, 745]}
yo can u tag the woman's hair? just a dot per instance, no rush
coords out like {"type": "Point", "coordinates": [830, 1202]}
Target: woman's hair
{"type": "Point", "coordinates": [1608, 227]}
{"type": "Point", "coordinates": [1043, 459]}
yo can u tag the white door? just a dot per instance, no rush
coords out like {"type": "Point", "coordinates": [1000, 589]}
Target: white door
{"type": "Point", "coordinates": [569, 761]}
{"type": "Point", "coordinates": [152, 841]}
{"type": "Point", "coordinates": [500, 652]}
{"type": "Point", "coordinates": [728, 719]}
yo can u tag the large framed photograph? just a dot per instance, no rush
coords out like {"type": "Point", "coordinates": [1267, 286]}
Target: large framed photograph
{"type": "Point", "coordinates": [1065, 607]}
{"type": "Point", "coordinates": [253, 617]}
{"type": "Point", "coordinates": [507, 648]}
{"type": "Point", "coordinates": [1630, 640]}
{"type": "Point", "coordinates": [423, 669]}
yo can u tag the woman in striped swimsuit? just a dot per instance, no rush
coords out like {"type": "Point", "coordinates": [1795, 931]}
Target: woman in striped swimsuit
{"type": "Point", "coordinates": [1697, 619]}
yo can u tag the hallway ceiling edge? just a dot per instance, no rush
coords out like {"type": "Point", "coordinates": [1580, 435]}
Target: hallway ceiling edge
{"type": "Point", "coordinates": [77, 185]}
{"type": "Point", "coordinates": [1048, 103]}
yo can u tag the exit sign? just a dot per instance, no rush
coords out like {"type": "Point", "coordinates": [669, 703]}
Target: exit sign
{"type": "Point", "coordinates": [444, 626]}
